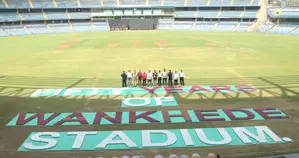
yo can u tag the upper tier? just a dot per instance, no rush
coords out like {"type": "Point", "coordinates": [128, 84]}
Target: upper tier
{"type": "Point", "coordinates": [122, 3]}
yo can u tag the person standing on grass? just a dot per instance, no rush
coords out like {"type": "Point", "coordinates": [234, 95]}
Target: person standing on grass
{"type": "Point", "coordinates": [149, 78]}
{"type": "Point", "coordinates": [159, 78]}
{"type": "Point", "coordinates": [124, 79]}
{"type": "Point", "coordinates": [155, 77]}
{"type": "Point", "coordinates": [176, 78]}
{"type": "Point", "coordinates": [164, 77]}
{"type": "Point", "coordinates": [129, 75]}
{"type": "Point", "coordinates": [182, 78]}
{"type": "Point", "coordinates": [135, 78]}
{"type": "Point", "coordinates": [144, 77]}
{"type": "Point", "coordinates": [139, 77]}
{"type": "Point", "coordinates": [170, 75]}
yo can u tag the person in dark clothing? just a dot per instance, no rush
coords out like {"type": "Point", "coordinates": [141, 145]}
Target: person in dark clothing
{"type": "Point", "coordinates": [155, 77]}
{"type": "Point", "coordinates": [139, 77]}
{"type": "Point", "coordinates": [159, 78]}
{"type": "Point", "coordinates": [170, 74]}
{"type": "Point", "coordinates": [124, 79]}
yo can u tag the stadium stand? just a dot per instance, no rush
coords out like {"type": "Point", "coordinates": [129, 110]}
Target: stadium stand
{"type": "Point", "coordinates": [58, 16]}
{"type": "Point", "coordinates": [38, 29]}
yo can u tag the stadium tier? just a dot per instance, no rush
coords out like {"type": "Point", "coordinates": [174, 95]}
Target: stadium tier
{"type": "Point", "coordinates": [57, 16]}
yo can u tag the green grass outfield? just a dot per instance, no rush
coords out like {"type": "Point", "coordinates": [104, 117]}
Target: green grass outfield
{"type": "Point", "coordinates": [268, 62]}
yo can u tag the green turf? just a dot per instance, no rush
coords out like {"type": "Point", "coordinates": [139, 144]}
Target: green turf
{"type": "Point", "coordinates": [207, 55]}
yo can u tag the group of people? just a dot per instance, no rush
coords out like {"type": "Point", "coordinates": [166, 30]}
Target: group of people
{"type": "Point", "coordinates": [137, 79]}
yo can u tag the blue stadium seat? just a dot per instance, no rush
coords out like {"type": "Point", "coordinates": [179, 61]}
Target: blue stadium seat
{"type": "Point", "coordinates": [208, 14]}
{"type": "Point", "coordinates": [5, 17]}
{"type": "Point", "coordinates": [39, 29]}
{"type": "Point", "coordinates": [90, 3]}
{"type": "Point", "coordinates": [185, 14]}
{"type": "Point", "coordinates": [18, 3]}
{"type": "Point", "coordinates": [220, 2]}
{"type": "Point", "coordinates": [101, 26]}
{"type": "Point", "coordinates": [56, 15]}
{"type": "Point", "coordinates": [109, 2]}
{"type": "Point", "coordinates": [225, 26]}
{"type": "Point", "coordinates": [83, 27]}
{"type": "Point", "coordinates": [15, 30]}
{"type": "Point", "coordinates": [80, 15]}
{"type": "Point", "coordinates": [67, 3]}
{"type": "Point", "coordinates": [249, 14]}
{"type": "Point", "coordinates": [182, 25]}
{"type": "Point", "coordinates": [230, 14]}
{"type": "Point", "coordinates": [43, 3]}
{"type": "Point", "coordinates": [204, 26]}
{"type": "Point", "coordinates": [197, 2]}
{"type": "Point", "coordinates": [33, 16]}
{"type": "Point", "coordinates": [132, 2]}
{"type": "Point", "coordinates": [60, 28]}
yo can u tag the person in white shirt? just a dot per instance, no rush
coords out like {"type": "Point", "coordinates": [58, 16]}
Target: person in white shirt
{"type": "Point", "coordinates": [182, 78]}
{"type": "Point", "coordinates": [159, 78]}
{"type": "Point", "coordinates": [149, 78]}
{"type": "Point", "coordinates": [164, 77]}
{"type": "Point", "coordinates": [175, 78]}
{"type": "Point", "coordinates": [129, 75]}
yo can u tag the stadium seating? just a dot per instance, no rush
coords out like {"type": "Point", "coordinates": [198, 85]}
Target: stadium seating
{"type": "Point", "coordinates": [225, 26]}
{"type": "Point", "coordinates": [5, 17]}
{"type": "Point", "coordinates": [197, 3]}
{"type": "Point", "coordinates": [165, 24]}
{"type": "Point", "coordinates": [155, 2]}
{"type": "Point", "coordinates": [33, 16]}
{"type": "Point", "coordinates": [220, 2]}
{"type": "Point", "coordinates": [60, 28]}
{"type": "Point", "coordinates": [128, 12]}
{"type": "Point", "coordinates": [132, 2]}
{"type": "Point", "coordinates": [38, 29]}
{"type": "Point", "coordinates": [182, 25]}
{"type": "Point", "coordinates": [230, 14]}
{"type": "Point", "coordinates": [80, 15]}
{"type": "Point", "coordinates": [15, 30]}
{"type": "Point", "coordinates": [185, 14]}
{"type": "Point", "coordinates": [118, 13]}
{"type": "Point", "coordinates": [83, 27]}
{"type": "Point", "coordinates": [43, 3]}
{"type": "Point", "coordinates": [283, 28]}
{"type": "Point", "coordinates": [266, 27]}
{"type": "Point", "coordinates": [243, 27]}
{"type": "Point", "coordinates": [90, 3]}
{"type": "Point", "coordinates": [56, 15]}
{"type": "Point", "coordinates": [296, 31]}
{"type": "Point", "coordinates": [204, 26]}
{"type": "Point", "coordinates": [18, 3]}
{"type": "Point", "coordinates": [3, 33]}
{"type": "Point", "coordinates": [109, 2]}
{"type": "Point", "coordinates": [67, 3]}
{"type": "Point", "coordinates": [242, 3]}
{"type": "Point", "coordinates": [101, 26]}
{"type": "Point", "coordinates": [207, 14]}
{"type": "Point", "coordinates": [249, 14]}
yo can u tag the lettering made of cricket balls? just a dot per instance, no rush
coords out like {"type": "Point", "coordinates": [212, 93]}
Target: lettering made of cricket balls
{"type": "Point", "coordinates": [139, 139]}
{"type": "Point", "coordinates": [145, 117]}
{"type": "Point", "coordinates": [142, 90]}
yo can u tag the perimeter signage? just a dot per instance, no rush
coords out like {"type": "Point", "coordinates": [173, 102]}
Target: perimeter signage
{"type": "Point", "coordinates": [141, 91]}
{"type": "Point", "coordinates": [145, 117]}
{"type": "Point", "coordinates": [140, 139]}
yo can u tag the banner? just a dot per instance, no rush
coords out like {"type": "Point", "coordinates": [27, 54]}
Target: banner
{"type": "Point", "coordinates": [140, 139]}
{"type": "Point", "coordinates": [141, 102]}
{"type": "Point", "coordinates": [141, 90]}
{"type": "Point", "coordinates": [145, 117]}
